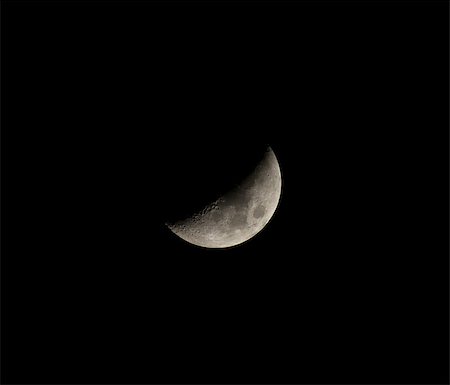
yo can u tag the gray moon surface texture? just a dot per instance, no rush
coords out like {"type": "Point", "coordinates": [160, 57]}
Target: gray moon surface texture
{"type": "Point", "coordinates": [239, 214]}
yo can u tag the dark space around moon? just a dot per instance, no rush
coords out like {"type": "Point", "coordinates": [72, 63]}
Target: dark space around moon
{"type": "Point", "coordinates": [127, 116]}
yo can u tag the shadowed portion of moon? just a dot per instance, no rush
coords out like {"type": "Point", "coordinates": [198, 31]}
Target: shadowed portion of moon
{"type": "Point", "coordinates": [239, 214]}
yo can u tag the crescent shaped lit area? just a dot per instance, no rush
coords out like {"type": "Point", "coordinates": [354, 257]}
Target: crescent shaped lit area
{"type": "Point", "coordinates": [239, 214]}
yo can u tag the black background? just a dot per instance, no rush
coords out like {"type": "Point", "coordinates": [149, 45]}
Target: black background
{"type": "Point", "coordinates": [115, 114]}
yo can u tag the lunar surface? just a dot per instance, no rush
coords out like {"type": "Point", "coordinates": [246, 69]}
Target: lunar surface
{"type": "Point", "coordinates": [239, 214]}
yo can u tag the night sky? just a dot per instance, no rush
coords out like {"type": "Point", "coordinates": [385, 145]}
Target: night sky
{"type": "Point", "coordinates": [115, 115]}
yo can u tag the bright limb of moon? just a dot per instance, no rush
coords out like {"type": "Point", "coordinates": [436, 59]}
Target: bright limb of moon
{"type": "Point", "coordinates": [239, 214]}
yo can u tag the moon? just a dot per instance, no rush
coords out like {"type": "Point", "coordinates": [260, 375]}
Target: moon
{"type": "Point", "coordinates": [239, 214]}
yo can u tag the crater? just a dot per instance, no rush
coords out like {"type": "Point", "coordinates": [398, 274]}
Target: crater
{"type": "Point", "coordinates": [259, 211]}
{"type": "Point", "coordinates": [216, 216]}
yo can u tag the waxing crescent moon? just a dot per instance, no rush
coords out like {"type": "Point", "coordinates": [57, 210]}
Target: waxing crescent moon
{"type": "Point", "coordinates": [238, 215]}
